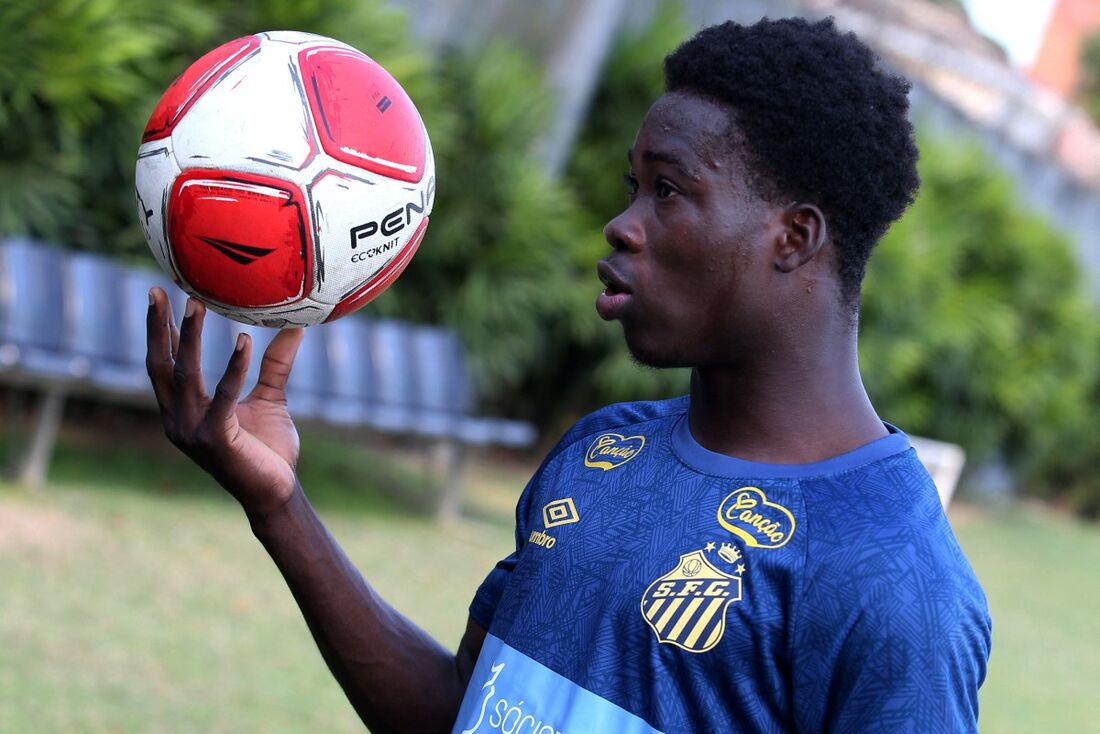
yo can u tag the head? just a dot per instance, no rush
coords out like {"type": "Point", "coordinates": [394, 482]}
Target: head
{"type": "Point", "coordinates": [760, 182]}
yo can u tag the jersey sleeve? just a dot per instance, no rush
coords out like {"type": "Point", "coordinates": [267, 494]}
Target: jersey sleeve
{"type": "Point", "coordinates": [484, 605]}
{"type": "Point", "coordinates": [909, 656]}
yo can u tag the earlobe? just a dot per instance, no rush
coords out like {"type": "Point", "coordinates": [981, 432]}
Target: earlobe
{"type": "Point", "coordinates": [804, 234]}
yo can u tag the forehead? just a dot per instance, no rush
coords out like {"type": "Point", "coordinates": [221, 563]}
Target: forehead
{"type": "Point", "coordinates": [693, 129]}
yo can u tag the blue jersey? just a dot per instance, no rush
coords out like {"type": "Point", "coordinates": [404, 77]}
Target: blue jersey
{"type": "Point", "coordinates": [657, 586]}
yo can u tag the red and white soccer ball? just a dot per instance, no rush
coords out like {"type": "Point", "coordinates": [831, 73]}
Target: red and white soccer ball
{"type": "Point", "coordinates": [285, 179]}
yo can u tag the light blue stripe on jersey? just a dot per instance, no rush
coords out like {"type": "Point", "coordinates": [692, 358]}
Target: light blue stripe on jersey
{"type": "Point", "coordinates": [510, 693]}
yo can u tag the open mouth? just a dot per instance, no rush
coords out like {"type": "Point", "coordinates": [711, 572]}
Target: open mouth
{"type": "Point", "coordinates": [616, 293]}
{"type": "Point", "coordinates": [612, 281]}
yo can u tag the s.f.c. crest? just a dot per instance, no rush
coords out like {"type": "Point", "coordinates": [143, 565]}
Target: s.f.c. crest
{"type": "Point", "coordinates": [687, 606]}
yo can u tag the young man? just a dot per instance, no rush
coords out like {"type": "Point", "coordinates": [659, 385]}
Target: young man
{"type": "Point", "coordinates": [763, 555]}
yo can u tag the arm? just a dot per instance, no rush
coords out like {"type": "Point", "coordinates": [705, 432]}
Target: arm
{"type": "Point", "coordinates": [395, 675]}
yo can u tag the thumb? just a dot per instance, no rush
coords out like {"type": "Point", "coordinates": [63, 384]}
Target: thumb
{"type": "Point", "coordinates": [276, 365]}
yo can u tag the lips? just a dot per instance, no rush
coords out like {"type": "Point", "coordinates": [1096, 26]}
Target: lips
{"type": "Point", "coordinates": [616, 295]}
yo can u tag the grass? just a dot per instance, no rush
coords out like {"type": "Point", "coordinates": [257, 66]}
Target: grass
{"type": "Point", "coordinates": [1039, 571]}
{"type": "Point", "coordinates": [135, 599]}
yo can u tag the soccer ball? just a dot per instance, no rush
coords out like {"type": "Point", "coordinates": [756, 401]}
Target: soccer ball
{"type": "Point", "coordinates": [285, 179]}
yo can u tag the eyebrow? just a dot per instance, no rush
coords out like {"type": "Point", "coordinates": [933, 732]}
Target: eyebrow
{"type": "Point", "coordinates": [658, 156]}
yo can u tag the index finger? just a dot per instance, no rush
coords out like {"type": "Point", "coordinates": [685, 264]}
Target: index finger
{"type": "Point", "coordinates": [159, 360]}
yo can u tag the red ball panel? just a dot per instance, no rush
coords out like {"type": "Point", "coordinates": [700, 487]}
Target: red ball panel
{"type": "Point", "coordinates": [362, 114]}
{"type": "Point", "coordinates": [382, 280]}
{"type": "Point", "coordinates": [195, 80]}
{"type": "Point", "coordinates": [240, 239]}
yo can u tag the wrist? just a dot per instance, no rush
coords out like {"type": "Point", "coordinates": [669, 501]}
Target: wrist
{"type": "Point", "coordinates": [270, 512]}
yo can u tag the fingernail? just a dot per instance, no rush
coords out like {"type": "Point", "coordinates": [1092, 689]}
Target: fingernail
{"type": "Point", "coordinates": [240, 342]}
{"type": "Point", "coordinates": [192, 304]}
{"type": "Point", "coordinates": [150, 296]}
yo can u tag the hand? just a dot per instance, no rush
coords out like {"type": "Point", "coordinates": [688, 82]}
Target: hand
{"type": "Point", "coordinates": [250, 446]}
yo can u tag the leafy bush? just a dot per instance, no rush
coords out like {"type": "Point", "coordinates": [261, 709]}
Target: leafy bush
{"type": "Point", "coordinates": [976, 327]}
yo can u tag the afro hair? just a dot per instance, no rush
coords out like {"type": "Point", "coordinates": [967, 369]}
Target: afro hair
{"type": "Point", "coordinates": [819, 120]}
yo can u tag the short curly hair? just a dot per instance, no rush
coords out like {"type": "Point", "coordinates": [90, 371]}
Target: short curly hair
{"type": "Point", "coordinates": [821, 122]}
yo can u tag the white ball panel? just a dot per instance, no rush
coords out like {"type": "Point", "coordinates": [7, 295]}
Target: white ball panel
{"type": "Point", "coordinates": [255, 119]}
{"type": "Point", "coordinates": [306, 312]}
{"type": "Point", "coordinates": [361, 222]}
{"type": "Point", "coordinates": [154, 175]}
{"type": "Point", "coordinates": [301, 38]}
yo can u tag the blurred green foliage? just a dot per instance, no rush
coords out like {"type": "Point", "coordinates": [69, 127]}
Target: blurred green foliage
{"type": "Point", "coordinates": [975, 328]}
{"type": "Point", "coordinates": [506, 260]}
{"type": "Point", "coordinates": [1088, 86]}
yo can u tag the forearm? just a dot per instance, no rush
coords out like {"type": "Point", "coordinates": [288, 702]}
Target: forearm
{"type": "Point", "coordinates": [395, 675]}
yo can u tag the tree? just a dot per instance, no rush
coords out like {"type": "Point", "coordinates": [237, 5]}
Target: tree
{"type": "Point", "coordinates": [976, 327]}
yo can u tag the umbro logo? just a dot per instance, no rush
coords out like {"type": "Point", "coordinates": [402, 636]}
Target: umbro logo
{"type": "Point", "coordinates": [558, 512]}
{"type": "Point", "coordinates": [243, 254]}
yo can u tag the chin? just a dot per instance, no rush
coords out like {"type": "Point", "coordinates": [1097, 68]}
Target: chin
{"type": "Point", "coordinates": [649, 355]}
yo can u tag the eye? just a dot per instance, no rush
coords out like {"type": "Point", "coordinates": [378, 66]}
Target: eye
{"type": "Point", "coordinates": [631, 183]}
{"type": "Point", "coordinates": [665, 189]}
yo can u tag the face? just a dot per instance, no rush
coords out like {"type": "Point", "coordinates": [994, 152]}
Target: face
{"type": "Point", "coordinates": [692, 253]}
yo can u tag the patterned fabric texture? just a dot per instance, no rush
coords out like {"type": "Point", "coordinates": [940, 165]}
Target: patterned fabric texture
{"type": "Point", "coordinates": [687, 591]}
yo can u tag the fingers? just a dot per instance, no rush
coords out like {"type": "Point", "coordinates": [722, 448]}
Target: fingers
{"type": "Point", "coordinates": [276, 365]}
{"type": "Point", "coordinates": [229, 387]}
{"type": "Point", "coordinates": [175, 334]}
{"type": "Point", "coordinates": [159, 353]}
{"type": "Point", "coordinates": [188, 368]}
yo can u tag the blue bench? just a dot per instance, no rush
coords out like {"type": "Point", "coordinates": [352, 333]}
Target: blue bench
{"type": "Point", "coordinates": [74, 323]}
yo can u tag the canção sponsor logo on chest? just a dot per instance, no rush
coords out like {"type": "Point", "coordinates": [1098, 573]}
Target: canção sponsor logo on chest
{"type": "Point", "coordinates": [749, 515]}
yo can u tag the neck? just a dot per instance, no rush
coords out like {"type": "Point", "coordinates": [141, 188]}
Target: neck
{"type": "Point", "coordinates": [792, 406]}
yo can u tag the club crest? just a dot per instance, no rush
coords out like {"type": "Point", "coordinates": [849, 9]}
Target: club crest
{"type": "Point", "coordinates": [687, 606]}
{"type": "Point", "coordinates": [611, 450]}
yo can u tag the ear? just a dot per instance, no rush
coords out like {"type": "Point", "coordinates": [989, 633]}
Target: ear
{"type": "Point", "coordinates": [804, 234]}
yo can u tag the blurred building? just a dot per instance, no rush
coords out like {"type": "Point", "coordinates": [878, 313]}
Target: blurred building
{"type": "Point", "coordinates": [963, 84]}
{"type": "Point", "coordinates": [1057, 66]}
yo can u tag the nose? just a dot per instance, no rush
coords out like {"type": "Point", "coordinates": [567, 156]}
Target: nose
{"type": "Point", "coordinates": [625, 232]}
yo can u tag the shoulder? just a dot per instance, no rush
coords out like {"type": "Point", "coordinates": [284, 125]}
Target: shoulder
{"type": "Point", "coordinates": [619, 416]}
{"type": "Point", "coordinates": [878, 532]}
{"type": "Point", "coordinates": [887, 595]}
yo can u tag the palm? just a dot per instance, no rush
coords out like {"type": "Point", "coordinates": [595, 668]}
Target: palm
{"type": "Point", "coordinates": [269, 424]}
{"type": "Point", "coordinates": [250, 446]}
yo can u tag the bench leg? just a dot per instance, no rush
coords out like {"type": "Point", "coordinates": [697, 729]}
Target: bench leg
{"type": "Point", "coordinates": [450, 459]}
{"type": "Point", "coordinates": [33, 468]}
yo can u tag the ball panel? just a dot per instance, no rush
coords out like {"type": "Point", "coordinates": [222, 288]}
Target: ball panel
{"type": "Point", "coordinates": [240, 239]}
{"type": "Point", "coordinates": [362, 114]}
{"type": "Point", "coordinates": [193, 82]}
{"type": "Point", "coordinates": [381, 280]}
{"type": "Point", "coordinates": [153, 176]}
{"type": "Point", "coordinates": [302, 313]}
{"type": "Point", "coordinates": [361, 222]}
{"type": "Point", "coordinates": [301, 38]}
{"type": "Point", "coordinates": [257, 120]}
